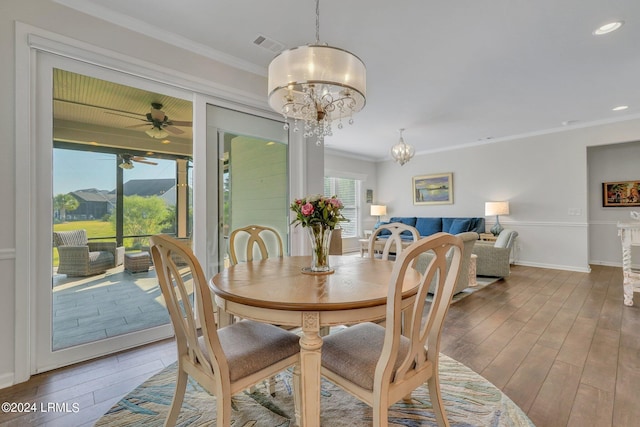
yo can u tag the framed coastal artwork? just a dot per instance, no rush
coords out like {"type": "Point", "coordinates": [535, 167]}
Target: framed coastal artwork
{"type": "Point", "coordinates": [621, 194]}
{"type": "Point", "coordinates": [433, 189]}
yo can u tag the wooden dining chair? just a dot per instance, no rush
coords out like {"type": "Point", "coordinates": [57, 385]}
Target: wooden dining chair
{"type": "Point", "coordinates": [255, 237]}
{"type": "Point", "coordinates": [389, 236]}
{"type": "Point", "coordinates": [378, 364]}
{"type": "Point", "coordinates": [224, 361]}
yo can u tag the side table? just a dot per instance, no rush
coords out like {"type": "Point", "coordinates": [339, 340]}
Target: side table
{"type": "Point", "coordinates": [473, 262]}
{"type": "Point", "coordinates": [488, 237]}
{"type": "Point", "coordinates": [364, 246]}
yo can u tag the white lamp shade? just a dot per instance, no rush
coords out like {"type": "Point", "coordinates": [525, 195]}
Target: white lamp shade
{"type": "Point", "coordinates": [496, 208]}
{"type": "Point", "coordinates": [378, 210]}
{"type": "Point", "coordinates": [327, 67]}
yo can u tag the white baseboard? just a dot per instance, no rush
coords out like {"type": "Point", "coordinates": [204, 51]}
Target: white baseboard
{"type": "Point", "coordinates": [554, 266]}
{"type": "Point", "coordinates": [6, 380]}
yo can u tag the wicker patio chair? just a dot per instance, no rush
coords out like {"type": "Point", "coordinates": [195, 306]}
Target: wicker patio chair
{"type": "Point", "coordinates": [79, 257]}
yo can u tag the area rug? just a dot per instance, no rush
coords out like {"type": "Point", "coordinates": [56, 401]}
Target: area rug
{"type": "Point", "coordinates": [470, 400]}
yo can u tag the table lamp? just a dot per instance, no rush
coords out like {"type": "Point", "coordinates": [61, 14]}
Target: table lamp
{"type": "Point", "coordinates": [497, 209]}
{"type": "Point", "coordinates": [378, 210]}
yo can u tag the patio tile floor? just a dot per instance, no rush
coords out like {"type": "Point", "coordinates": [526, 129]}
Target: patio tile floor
{"type": "Point", "coordinates": [117, 302]}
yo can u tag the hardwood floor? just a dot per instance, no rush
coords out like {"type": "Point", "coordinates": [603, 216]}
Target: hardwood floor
{"type": "Point", "coordinates": [560, 344]}
{"type": "Point", "coordinates": [93, 386]}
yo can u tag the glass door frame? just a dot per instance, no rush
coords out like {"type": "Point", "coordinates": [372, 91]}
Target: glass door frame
{"type": "Point", "coordinates": [44, 357]}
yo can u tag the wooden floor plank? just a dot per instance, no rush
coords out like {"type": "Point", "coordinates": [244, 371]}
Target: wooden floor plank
{"type": "Point", "coordinates": [552, 406]}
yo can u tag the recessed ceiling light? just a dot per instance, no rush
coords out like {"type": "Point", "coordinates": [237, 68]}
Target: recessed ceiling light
{"type": "Point", "coordinates": [620, 107]}
{"type": "Point", "coordinates": [608, 28]}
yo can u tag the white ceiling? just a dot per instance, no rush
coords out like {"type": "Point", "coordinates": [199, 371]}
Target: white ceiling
{"type": "Point", "coordinates": [453, 73]}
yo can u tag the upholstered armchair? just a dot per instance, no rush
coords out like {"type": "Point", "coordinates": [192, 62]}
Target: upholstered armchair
{"type": "Point", "coordinates": [79, 257]}
{"type": "Point", "coordinates": [494, 257]}
{"type": "Point", "coordinates": [469, 239]}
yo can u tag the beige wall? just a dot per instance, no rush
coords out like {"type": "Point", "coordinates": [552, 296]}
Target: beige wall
{"type": "Point", "coordinates": [544, 177]}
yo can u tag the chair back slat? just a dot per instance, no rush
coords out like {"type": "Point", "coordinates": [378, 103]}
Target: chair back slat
{"type": "Point", "coordinates": [182, 283]}
{"type": "Point", "coordinates": [423, 329]}
{"type": "Point", "coordinates": [256, 237]}
{"type": "Point", "coordinates": [392, 240]}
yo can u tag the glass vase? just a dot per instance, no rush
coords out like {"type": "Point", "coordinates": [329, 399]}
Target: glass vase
{"type": "Point", "coordinates": [320, 236]}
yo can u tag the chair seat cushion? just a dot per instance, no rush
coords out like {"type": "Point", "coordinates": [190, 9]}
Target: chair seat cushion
{"type": "Point", "coordinates": [252, 346]}
{"type": "Point", "coordinates": [353, 353]}
{"type": "Point", "coordinates": [100, 261]}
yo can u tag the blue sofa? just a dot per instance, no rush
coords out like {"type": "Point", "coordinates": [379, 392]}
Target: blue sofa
{"type": "Point", "coordinates": [427, 226]}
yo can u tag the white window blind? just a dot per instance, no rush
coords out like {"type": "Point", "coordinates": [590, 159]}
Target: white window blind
{"type": "Point", "coordinates": [347, 190]}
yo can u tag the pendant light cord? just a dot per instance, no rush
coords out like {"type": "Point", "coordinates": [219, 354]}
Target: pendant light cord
{"type": "Point", "coordinates": [317, 22]}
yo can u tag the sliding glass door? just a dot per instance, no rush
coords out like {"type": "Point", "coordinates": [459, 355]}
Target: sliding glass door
{"type": "Point", "coordinates": [115, 167]}
{"type": "Point", "coordinates": [248, 159]}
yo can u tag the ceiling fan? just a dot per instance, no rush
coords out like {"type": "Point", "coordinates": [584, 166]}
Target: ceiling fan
{"type": "Point", "coordinates": [128, 159]}
{"type": "Point", "coordinates": [160, 123]}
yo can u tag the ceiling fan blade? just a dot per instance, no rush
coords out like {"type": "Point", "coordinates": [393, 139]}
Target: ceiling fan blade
{"type": "Point", "coordinates": [181, 123]}
{"type": "Point", "coordinates": [173, 130]}
{"type": "Point", "coordinates": [147, 162]}
{"type": "Point", "coordinates": [124, 115]}
{"type": "Point", "coordinates": [138, 126]}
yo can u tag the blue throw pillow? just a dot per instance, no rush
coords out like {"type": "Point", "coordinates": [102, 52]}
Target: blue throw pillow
{"type": "Point", "coordinates": [428, 226]}
{"type": "Point", "coordinates": [460, 226]}
{"type": "Point", "coordinates": [409, 220]}
{"type": "Point", "coordinates": [383, 232]}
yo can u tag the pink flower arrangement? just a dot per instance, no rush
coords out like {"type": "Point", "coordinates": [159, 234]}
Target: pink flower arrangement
{"type": "Point", "coordinates": [318, 209]}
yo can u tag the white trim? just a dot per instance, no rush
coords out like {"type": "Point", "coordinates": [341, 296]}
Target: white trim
{"type": "Point", "coordinates": [7, 380]}
{"type": "Point", "coordinates": [555, 266]}
{"type": "Point", "coordinates": [514, 224]}
{"type": "Point", "coordinates": [144, 28]}
{"type": "Point", "coordinates": [7, 254]}
{"type": "Point", "coordinates": [24, 102]}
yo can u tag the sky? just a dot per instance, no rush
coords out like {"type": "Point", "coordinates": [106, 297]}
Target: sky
{"type": "Point", "coordinates": [79, 170]}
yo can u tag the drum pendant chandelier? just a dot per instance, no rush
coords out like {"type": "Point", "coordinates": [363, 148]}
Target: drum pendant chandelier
{"type": "Point", "coordinates": [316, 84]}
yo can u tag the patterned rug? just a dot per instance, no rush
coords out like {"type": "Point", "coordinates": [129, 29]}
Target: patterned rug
{"type": "Point", "coordinates": [470, 400]}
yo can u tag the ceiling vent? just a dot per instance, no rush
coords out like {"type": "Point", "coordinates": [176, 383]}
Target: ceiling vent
{"type": "Point", "coordinates": [269, 44]}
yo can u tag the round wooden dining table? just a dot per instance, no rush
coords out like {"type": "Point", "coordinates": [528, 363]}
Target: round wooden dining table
{"type": "Point", "coordinates": [277, 291]}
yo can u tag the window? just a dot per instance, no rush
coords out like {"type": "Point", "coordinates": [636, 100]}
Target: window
{"type": "Point", "coordinates": [348, 191]}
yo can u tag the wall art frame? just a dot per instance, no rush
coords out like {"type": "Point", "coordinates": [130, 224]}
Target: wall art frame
{"type": "Point", "coordinates": [619, 194]}
{"type": "Point", "coordinates": [436, 189]}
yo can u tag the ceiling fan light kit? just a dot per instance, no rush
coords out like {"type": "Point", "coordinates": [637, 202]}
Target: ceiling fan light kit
{"type": "Point", "coordinates": [317, 84]}
{"type": "Point", "coordinates": [157, 133]}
